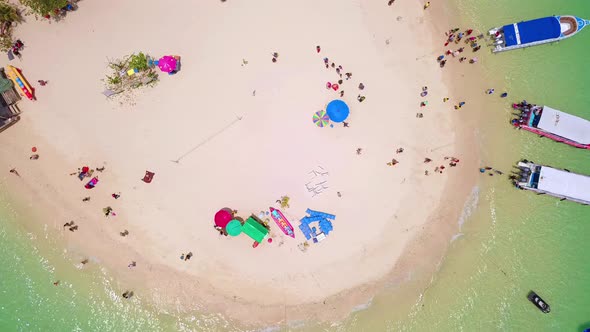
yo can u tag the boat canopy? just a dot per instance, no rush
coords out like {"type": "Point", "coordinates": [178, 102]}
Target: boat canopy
{"type": "Point", "coordinates": [565, 125]}
{"type": "Point", "coordinates": [563, 183]}
{"type": "Point", "coordinates": [532, 31]}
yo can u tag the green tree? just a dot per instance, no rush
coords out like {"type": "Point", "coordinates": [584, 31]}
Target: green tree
{"type": "Point", "coordinates": [8, 13]}
{"type": "Point", "coordinates": [44, 7]}
{"type": "Point", "coordinates": [138, 61]}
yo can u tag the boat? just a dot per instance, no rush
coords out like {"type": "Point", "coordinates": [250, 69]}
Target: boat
{"type": "Point", "coordinates": [536, 32]}
{"type": "Point", "coordinates": [539, 302]}
{"type": "Point", "coordinates": [282, 222]}
{"type": "Point", "coordinates": [554, 124]}
{"type": "Point", "coordinates": [560, 183]}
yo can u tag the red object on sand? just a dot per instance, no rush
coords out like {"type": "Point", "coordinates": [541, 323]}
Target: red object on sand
{"type": "Point", "coordinates": [148, 177]}
{"type": "Point", "coordinates": [255, 244]}
{"type": "Point", "coordinates": [85, 169]}
{"type": "Point", "coordinates": [335, 87]}
{"type": "Point", "coordinates": [318, 49]}
{"type": "Point", "coordinates": [222, 218]}
{"type": "Point", "coordinates": [269, 240]}
{"type": "Point", "coordinates": [328, 85]}
{"type": "Point", "coordinates": [34, 149]}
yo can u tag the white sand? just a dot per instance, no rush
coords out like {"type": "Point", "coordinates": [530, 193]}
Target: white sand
{"type": "Point", "coordinates": [243, 164]}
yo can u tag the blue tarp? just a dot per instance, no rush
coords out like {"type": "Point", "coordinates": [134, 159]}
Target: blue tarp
{"type": "Point", "coordinates": [533, 31]}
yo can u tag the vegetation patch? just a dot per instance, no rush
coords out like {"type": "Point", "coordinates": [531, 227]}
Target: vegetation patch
{"type": "Point", "coordinates": [131, 72]}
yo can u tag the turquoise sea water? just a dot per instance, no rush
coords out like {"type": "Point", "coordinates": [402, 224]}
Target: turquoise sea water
{"type": "Point", "coordinates": [511, 242]}
{"type": "Point", "coordinates": [514, 241]}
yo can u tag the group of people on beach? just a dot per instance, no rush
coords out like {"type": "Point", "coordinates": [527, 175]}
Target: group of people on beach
{"type": "Point", "coordinates": [455, 36]}
{"type": "Point", "coordinates": [342, 75]}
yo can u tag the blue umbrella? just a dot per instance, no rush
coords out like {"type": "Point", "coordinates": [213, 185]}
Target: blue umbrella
{"type": "Point", "coordinates": [337, 110]}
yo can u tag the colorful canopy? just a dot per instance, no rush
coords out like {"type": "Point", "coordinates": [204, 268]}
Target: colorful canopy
{"type": "Point", "coordinates": [321, 119]}
{"type": "Point", "coordinates": [223, 217]}
{"type": "Point", "coordinates": [337, 110]}
{"type": "Point", "coordinates": [254, 229]}
{"type": "Point", "coordinates": [234, 228]}
{"type": "Point", "coordinates": [167, 64]}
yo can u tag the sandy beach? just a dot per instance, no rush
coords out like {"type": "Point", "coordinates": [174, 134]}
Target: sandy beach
{"type": "Point", "coordinates": [233, 129]}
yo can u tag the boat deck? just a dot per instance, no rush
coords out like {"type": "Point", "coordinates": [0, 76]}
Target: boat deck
{"type": "Point", "coordinates": [565, 184]}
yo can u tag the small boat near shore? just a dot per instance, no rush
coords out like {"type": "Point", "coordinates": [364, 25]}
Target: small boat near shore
{"type": "Point", "coordinates": [536, 32]}
{"type": "Point", "coordinates": [560, 183]}
{"type": "Point", "coordinates": [539, 302]}
{"type": "Point", "coordinates": [282, 222]}
{"type": "Point", "coordinates": [551, 123]}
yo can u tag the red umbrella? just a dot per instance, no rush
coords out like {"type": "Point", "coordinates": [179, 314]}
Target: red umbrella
{"type": "Point", "coordinates": [222, 218]}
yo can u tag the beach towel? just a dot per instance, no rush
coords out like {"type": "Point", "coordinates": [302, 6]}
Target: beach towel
{"type": "Point", "coordinates": [91, 183]}
{"type": "Point", "coordinates": [148, 177]}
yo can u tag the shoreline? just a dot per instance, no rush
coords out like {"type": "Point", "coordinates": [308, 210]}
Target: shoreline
{"type": "Point", "coordinates": [347, 299]}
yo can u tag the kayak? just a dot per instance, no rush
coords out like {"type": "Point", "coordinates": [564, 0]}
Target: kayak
{"type": "Point", "coordinates": [282, 222]}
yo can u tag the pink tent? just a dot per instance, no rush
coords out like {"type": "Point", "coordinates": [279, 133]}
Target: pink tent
{"type": "Point", "coordinates": [222, 218]}
{"type": "Point", "coordinates": [167, 64]}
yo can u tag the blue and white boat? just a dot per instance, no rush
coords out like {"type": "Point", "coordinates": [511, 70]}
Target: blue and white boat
{"type": "Point", "coordinates": [536, 32]}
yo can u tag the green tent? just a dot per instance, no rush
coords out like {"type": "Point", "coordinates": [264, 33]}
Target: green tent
{"type": "Point", "coordinates": [254, 229]}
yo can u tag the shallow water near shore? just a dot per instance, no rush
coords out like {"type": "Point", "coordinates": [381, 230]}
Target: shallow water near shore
{"type": "Point", "coordinates": [514, 241]}
{"type": "Point", "coordinates": [510, 241]}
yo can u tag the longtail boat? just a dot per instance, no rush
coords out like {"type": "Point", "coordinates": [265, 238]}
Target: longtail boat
{"type": "Point", "coordinates": [282, 222]}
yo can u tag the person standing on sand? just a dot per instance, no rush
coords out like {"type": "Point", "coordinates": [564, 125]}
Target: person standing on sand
{"type": "Point", "coordinates": [345, 124]}
{"type": "Point", "coordinates": [426, 5]}
{"type": "Point", "coordinates": [14, 171]}
{"type": "Point", "coordinates": [390, 2]}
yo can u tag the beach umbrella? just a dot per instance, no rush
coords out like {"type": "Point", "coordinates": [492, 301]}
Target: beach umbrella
{"type": "Point", "coordinates": [337, 110]}
{"type": "Point", "coordinates": [167, 64]}
{"type": "Point", "coordinates": [320, 118]}
{"type": "Point", "coordinates": [222, 218]}
{"type": "Point", "coordinates": [234, 228]}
